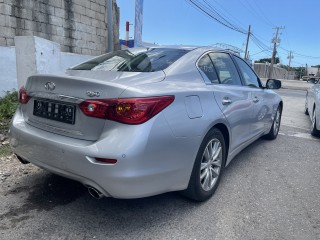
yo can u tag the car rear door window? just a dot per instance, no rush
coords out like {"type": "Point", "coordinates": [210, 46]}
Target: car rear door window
{"type": "Point", "coordinates": [227, 71]}
{"type": "Point", "coordinates": [206, 66]}
{"type": "Point", "coordinates": [249, 77]}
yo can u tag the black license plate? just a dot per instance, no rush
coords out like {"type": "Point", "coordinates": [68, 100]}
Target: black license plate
{"type": "Point", "coordinates": [55, 111]}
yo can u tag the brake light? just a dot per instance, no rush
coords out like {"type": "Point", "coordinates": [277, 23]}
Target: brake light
{"type": "Point", "coordinates": [23, 96]}
{"type": "Point", "coordinates": [126, 110]}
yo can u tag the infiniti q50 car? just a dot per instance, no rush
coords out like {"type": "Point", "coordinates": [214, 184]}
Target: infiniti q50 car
{"type": "Point", "coordinates": [144, 121]}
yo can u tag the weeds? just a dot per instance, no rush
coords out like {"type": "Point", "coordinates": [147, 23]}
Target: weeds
{"type": "Point", "coordinates": [8, 106]}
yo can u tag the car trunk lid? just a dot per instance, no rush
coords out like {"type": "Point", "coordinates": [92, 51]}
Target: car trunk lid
{"type": "Point", "coordinates": [54, 104]}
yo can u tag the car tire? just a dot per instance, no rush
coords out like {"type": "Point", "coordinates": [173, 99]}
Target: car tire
{"type": "Point", "coordinates": [314, 131]}
{"type": "Point", "coordinates": [273, 133]}
{"type": "Point", "coordinates": [208, 167]}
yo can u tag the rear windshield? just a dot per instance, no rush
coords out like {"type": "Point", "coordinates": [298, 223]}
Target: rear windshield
{"type": "Point", "coordinates": [134, 60]}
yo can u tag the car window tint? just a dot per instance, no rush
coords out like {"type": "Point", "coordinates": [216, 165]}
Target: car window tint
{"type": "Point", "coordinates": [249, 77]}
{"type": "Point", "coordinates": [207, 67]}
{"type": "Point", "coordinates": [136, 60]}
{"type": "Point", "coordinates": [226, 69]}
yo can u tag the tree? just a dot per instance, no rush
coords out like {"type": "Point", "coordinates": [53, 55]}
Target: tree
{"type": "Point", "coordinates": [264, 60]}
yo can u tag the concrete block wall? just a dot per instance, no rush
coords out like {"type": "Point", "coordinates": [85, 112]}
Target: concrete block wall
{"type": "Point", "coordinates": [8, 70]}
{"type": "Point", "coordinates": [262, 69]}
{"type": "Point", "coordinates": [79, 26]}
{"type": "Point", "coordinates": [33, 55]}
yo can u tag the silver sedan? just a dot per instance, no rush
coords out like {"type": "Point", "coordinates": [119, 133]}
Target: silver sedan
{"type": "Point", "coordinates": [144, 121]}
{"type": "Point", "coordinates": [312, 106]}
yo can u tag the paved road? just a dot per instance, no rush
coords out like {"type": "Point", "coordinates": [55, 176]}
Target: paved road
{"type": "Point", "coordinates": [270, 191]}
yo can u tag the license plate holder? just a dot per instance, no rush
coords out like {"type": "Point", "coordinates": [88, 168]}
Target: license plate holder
{"type": "Point", "coordinates": [56, 111]}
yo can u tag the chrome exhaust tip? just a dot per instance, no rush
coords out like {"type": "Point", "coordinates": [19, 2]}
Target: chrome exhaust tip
{"type": "Point", "coordinates": [95, 193]}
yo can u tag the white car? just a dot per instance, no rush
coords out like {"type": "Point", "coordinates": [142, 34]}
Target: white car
{"type": "Point", "coordinates": [312, 106]}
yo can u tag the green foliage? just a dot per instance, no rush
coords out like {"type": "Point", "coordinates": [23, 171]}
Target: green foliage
{"type": "Point", "coordinates": [264, 60]}
{"type": "Point", "coordinates": [8, 106]}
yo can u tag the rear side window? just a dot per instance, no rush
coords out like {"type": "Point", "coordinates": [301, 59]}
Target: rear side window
{"type": "Point", "coordinates": [226, 69]}
{"type": "Point", "coordinates": [206, 66]}
{"type": "Point", "coordinates": [134, 60]}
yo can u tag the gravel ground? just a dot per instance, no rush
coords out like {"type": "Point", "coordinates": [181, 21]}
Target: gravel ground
{"type": "Point", "coordinates": [11, 170]}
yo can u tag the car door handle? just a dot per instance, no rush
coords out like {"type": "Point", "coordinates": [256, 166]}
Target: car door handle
{"type": "Point", "coordinates": [255, 99]}
{"type": "Point", "coordinates": [226, 101]}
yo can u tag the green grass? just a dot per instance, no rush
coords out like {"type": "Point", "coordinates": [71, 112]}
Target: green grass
{"type": "Point", "coordinates": [8, 106]}
{"type": "Point", "coordinates": [5, 150]}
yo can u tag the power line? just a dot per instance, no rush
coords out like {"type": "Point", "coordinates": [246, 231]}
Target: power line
{"type": "Point", "coordinates": [220, 14]}
{"type": "Point", "coordinates": [299, 54]}
{"type": "Point", "coordinates": [259, 52]}
{"type": "Point", "coordinates": [216, 16]}
{"type": "Point", "coordinates": [208, 9]}
{"type": "Point", "coordinates": [226, 11]}
{"type": "Point", "coordinates": [267, 20]}
{"type": "Point", "coordinates": [252, 10]}
{"type": "Point", "coordinates": [260, 44]}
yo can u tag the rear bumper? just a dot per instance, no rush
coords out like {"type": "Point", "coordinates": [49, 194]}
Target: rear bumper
{"type": "Point", "coordinates": [150, 160]}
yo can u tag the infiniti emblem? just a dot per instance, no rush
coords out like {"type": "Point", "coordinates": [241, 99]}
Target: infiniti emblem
{"type": "Point", "coordinates": [50, 86]}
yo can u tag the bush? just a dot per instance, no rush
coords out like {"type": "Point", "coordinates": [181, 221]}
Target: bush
{"type": "Point", "coordinates": [8, 106]}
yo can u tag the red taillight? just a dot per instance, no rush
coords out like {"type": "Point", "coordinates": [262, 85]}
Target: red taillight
{"type": "Point", "coordinates": [23, 96]}
{"type": "Point", "coordinates": [126, 110]}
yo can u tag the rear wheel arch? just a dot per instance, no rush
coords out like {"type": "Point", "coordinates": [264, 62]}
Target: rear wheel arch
{"type": "Point", "coordinates": [208, 165]}
{"type": "Point", "coordinates": [225, 132]}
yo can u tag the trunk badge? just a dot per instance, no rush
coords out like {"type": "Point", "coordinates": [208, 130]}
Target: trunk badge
{"type": "Point", "coordinates": [50, 86]}
{"type": "Point", "coordinates": [93, 93]}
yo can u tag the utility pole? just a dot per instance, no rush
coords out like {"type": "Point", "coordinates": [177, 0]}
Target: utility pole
{"type": "Point", "coordinates": [246, 56]}
{"type": "Point", "coordinates": [109, 20]}
{"type": "Point", "coordinates": [289, 57]}
{"type": "Point", "coordinates": [306, 72]}
{"type": "Point", "coordinates": [275, 41]}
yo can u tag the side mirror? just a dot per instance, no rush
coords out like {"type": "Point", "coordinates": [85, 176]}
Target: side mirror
{"type": "Point", "coordinates": [273, 84]}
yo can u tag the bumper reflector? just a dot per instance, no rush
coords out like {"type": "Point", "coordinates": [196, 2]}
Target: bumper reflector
{"type": "Point", "coordinates": [106, 160]}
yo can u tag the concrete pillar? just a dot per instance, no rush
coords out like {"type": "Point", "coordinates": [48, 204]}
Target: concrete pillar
{"type": "Point", "coordinates": [35, 55]}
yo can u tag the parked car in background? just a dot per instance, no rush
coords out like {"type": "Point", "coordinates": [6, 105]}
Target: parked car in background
{"type": "Point", "coordinates": [144, 121]}
{"type": "Point", "coordinates": [312, 80]}
{"type": "Point", "coordinates": [312, 105]}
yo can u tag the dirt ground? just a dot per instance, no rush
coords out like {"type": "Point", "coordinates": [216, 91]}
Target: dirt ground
{"type": "Point", "coordinates": [11, 170]}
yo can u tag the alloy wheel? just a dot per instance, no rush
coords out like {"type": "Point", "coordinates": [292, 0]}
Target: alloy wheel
{"type": "Point", "coordinates": [314, 120]}
{"type": "Point", "coordinates": [276, 124]}
{"type": "Point", "coordinates": [211, 164]}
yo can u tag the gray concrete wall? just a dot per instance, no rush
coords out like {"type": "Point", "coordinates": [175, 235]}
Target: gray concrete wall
{"type": "Point", "coordinates": [262, 69]}
{"type": "Point", "coordinates": [42, 56]}
{"type": "Point", "coordinates": [79, 26]}
{"type": "Point", "coordinates": [8, 70]}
